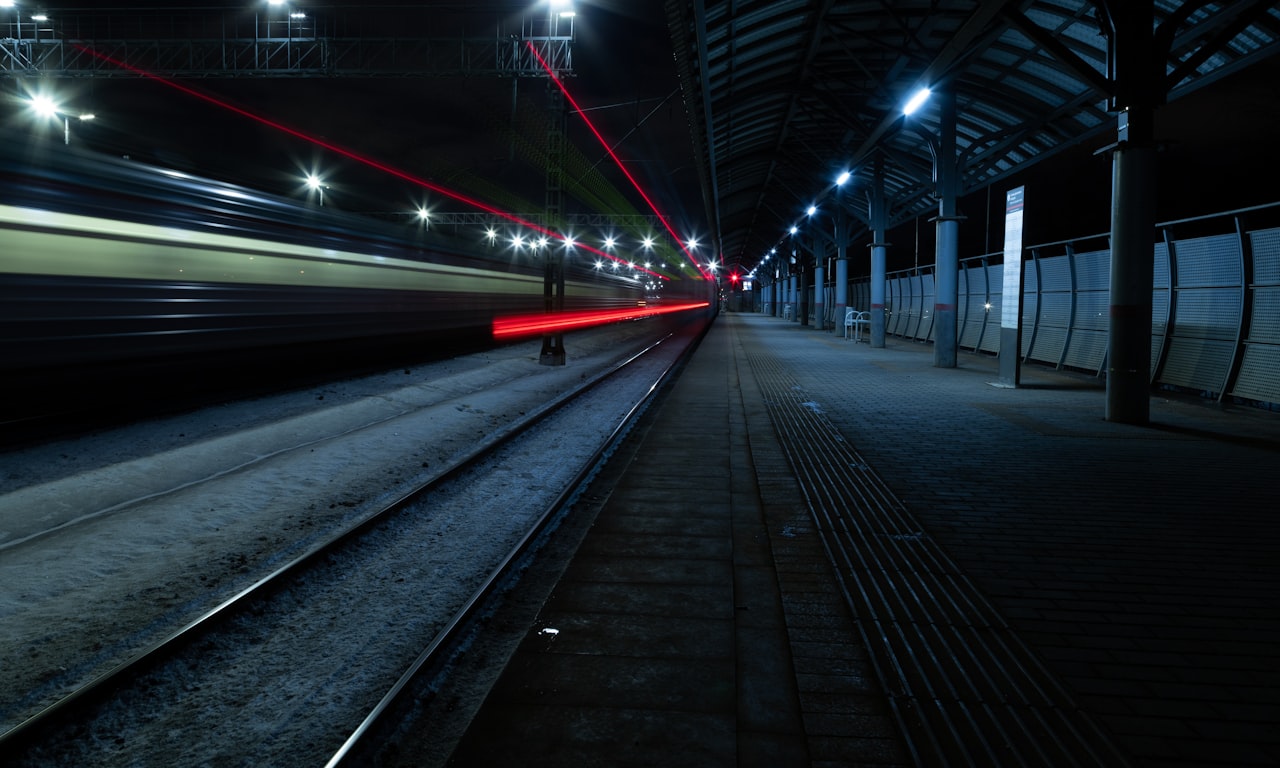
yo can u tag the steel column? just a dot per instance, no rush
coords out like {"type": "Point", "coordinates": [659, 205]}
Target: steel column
{"type": "Point", "coordinates": [1133, 220]}
{"type": "Point", "coordinates": [842, 262]}
{"type": "Point", "coordinates": [1137, 75]}
{"type": "Point", "coordinates": [947, 261]}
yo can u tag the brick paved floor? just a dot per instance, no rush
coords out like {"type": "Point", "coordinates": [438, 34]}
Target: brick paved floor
{"type": "Point", "coordinates": [1142, 563]}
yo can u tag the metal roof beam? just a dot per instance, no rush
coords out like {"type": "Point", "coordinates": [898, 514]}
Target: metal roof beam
{"type": "Point", "coordinates": [1068, 58]}
{"type": "Point", "coordinates": [956, 49]}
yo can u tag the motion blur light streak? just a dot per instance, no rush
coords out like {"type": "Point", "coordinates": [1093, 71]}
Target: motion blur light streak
{"type": "Point", "coordinates": [360, 158]}
{"type": "Point", "coordinates": [617, 161]}
{"type": "Point", "coordinates": [516, 326]}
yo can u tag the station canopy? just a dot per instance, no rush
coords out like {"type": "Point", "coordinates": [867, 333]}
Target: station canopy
{"type": "Point", "coordinates": [784, 95]}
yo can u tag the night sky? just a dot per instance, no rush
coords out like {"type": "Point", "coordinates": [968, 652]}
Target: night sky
{"type": "Point", "coordinates": [463, 133]}
{"type": "Point", "coordinates": [475, 135]}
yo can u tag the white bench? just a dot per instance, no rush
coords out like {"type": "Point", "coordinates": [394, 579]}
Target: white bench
{"type": "Point", "coordinates": [855, 320]}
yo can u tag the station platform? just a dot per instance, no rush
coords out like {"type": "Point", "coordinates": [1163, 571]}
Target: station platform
{"type": "Point", "coordinates": [820, 553]}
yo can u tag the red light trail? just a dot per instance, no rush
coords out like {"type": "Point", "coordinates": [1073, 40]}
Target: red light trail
{"type": "Point", "coordinates": [515, 326]}
{"type": "Point", "coordinates": [372, 163]}
{"type": "Point", "coordinates": [616, 160]}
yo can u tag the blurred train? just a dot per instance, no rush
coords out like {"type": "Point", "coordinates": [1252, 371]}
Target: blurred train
{"type": "Point", "coordinates": [113, 260]}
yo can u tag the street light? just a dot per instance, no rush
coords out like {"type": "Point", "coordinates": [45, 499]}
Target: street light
{"type": "Point", "coordinates": [44, 106]}
{"type": "Point", "coordinates": [315, 183]}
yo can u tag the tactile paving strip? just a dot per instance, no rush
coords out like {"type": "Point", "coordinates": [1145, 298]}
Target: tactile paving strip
{"type": "Point", "coordinates": [963, 686]}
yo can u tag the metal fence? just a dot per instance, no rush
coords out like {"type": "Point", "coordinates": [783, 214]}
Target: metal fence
{"type": "Point", "coordinates": [1215, 319]}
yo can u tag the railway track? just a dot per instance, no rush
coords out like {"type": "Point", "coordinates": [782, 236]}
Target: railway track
{"type": "Point", "coordinates": [304, 663]}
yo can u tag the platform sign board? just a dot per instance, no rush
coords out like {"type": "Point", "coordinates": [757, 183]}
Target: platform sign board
{"type": "Point", "coordinates": [1011, 303]}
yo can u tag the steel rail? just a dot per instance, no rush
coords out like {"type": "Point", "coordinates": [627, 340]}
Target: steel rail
{"type": "Point", "coordinates": [355, 747]}
{"type": "Point", "coordinates": [98, 688]}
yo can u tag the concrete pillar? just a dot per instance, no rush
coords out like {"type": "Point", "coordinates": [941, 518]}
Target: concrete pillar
{"type": "Point", "coordinates": [878, 218]}
{"type": "Point", "coordinates": [819, 295]}
{"type": "Point", "coordinates": [803, 297]}
{"type": "Point", "coordinates": [1137, 69]}
{"type": "Point", "coordinates": [947, 261]}
{"type": "Point", "coordinates": [842, 263]}
{"type": "Point", "coordinates": [792, 296]}
{"type": "Point", "coordinates": [1133, 219]}
{"type": "Point", "coordinates": [842, 288]}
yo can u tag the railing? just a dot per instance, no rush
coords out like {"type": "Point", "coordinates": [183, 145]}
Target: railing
{"type": "Point", "coordinates": [1215, 320]}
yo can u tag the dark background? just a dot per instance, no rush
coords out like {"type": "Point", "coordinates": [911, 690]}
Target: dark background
{"type": "Point", "coordinates": [483, 136]}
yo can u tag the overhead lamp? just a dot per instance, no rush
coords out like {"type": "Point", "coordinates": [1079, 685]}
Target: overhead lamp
{"type": "Point", "coordinates": [812, 210]}
{"type": "Point", "coordinates": [916, 101]}
{"type": "Point", "coordinates": [44, 105]}
{"type": "Point", "coordinates": [794, 229]}
{"type": "Point", "coordinates": [843, 178]}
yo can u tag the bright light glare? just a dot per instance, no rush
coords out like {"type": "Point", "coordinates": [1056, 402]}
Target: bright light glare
{"type": "Point", "coordinates": [6, 3]}
{"type": "Point", "coordinates": [843, 178]}
{"type": "Point", "coordinates": [812, 210]}
{"type": "Point", "coordinates": [608, 149]}
{"type": "Point", "coordinates": [491, 233]}
{"type": "Point", "coordinates": [794, 229]}
{"type": "Point", "coordinates": [916, 101]}
{"type": "Point", "coordinates": [647, 243]}
{"type": "Point", "coordinates": [363, 160]}
{"type": "Point", "coordinates": [314, 181]}
{"type": "Point", "coordinates": [424, 214]}
{"type": "Point", "coordinates": [693, 242]}
{"type": "Point", "coordinates": [44, 106]}
{"type": "Point", "coordinates": [608, 242]}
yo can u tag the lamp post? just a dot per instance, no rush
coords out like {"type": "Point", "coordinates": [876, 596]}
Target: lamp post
{"type": "Point", "coordinates": [45, 106]}
{"type": "Point", "coordinates": [315, 183]}
{"type": "Point", "coordinates": [947, 222]}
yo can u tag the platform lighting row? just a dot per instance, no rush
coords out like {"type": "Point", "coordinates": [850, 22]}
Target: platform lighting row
{"type": "Point", "coordinates": [913, 104]}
